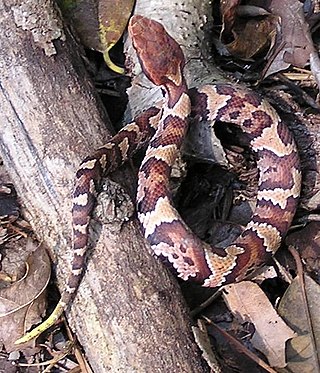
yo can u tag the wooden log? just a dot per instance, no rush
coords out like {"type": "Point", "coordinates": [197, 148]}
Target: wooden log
{"type": "Point", "coordinates": [128, 313]}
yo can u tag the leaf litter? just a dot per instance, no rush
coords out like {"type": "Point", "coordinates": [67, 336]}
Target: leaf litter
{"type": "Point", "coordinates": [287, 334]}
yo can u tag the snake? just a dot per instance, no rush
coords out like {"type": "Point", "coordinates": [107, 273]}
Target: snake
{"type": "Point", "coordinates": [163, 130]}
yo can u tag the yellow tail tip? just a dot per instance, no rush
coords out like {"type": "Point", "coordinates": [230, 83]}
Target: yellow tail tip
{"type": "Point", "coordinates": [111, 65]}
{"type": "Point", "coordinates": [51, 320]}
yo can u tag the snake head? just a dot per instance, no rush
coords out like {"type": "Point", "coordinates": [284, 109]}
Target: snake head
{"type": "Point", "coordinates": [160, 56]}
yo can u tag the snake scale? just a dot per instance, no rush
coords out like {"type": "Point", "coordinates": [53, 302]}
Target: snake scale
{"type": "Point", "coordinates": [162, 61]}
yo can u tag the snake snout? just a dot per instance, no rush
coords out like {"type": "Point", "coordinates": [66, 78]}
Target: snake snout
{"type": "Point", "coordinates": [160, 56]}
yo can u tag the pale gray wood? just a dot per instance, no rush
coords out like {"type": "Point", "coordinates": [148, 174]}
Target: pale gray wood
{"type": "Point", "coordinates": [189, 23]}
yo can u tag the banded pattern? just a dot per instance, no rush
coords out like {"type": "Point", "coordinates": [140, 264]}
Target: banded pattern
{"type": "Point", "coordinates": [278, 190]}
{"type": "Point", "coordinates": [88, 177]}
{"type": "Point", "coordinates": [277, 160]}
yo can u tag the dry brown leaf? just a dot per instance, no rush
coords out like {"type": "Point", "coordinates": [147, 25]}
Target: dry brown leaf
{"type": "Point", "coordinates": [300, 354]}
{"type": "Point", "coordinates": [22, 303]}
{"type": "Point", "coordinates": [308, 241]}
{"type": "Point", "coordinates": [246, 29]}
{"type": "Point", "coordinates": [249, 304]}
{"type": "Point", "coordinates": [294, 44]}
{"type": "Point", "coordinates": [285, 29]}
{"type": "Point", "coordinates": [302, 351]}
{"type": "Point", "coordinates": [245, 46]}
{"type": "Point", "coordinates": [228, 14]}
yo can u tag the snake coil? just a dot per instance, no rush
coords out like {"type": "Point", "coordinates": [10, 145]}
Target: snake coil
{"type": "Point", "coordinates": [277, 159]}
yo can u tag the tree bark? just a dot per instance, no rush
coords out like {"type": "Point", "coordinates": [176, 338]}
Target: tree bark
{"type": "Point", "coordinates": [128, 313]}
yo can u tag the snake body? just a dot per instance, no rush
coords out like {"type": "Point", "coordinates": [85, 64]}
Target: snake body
{"type": "Point", "coordinates": [170, 238]}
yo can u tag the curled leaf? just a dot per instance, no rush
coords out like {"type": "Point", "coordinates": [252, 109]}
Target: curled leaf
{"type": "Point", "coordinates": [22, 303]}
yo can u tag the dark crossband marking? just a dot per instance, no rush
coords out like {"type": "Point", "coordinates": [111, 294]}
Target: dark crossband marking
{"type": "Point", "coordinates": [164, 128]}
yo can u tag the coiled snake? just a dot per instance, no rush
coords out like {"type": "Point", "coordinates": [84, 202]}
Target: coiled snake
{"type": "Point", "coordinates": [277, 159]}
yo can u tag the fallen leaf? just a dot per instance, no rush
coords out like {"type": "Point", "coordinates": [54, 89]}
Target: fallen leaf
{"type": "Point", "coordinates": [249, 304]}
{"type": "Point", "coordinates": [308, 241]}
{"type": "Point", "coordinates": [304, 319]}
{"type": "Point", "coordinates": [300, 354]}
{"type": "Point", "coordinates": [245, 46]}
{"type": "Point", "coordinates": [228, 14]}
{"type": "Point", "coordinates": [240, 22]}
{"type": "Point", "coordinates": [282, 27]}
{"type": "Point", "coordinates": [294, 44]}
{"type": "Point", "coordinates": [22, 303]}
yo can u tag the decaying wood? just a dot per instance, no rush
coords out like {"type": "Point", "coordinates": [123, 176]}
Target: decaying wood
{"type": "Point", "coordinates": [128, 313]}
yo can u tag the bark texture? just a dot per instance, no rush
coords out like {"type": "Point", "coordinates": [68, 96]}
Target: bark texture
{"type": "Point", "coordinates": [128, 313]}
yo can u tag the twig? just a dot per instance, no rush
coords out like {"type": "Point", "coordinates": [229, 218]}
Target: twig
{"type": "Point", "coordinates": [241, 347]}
